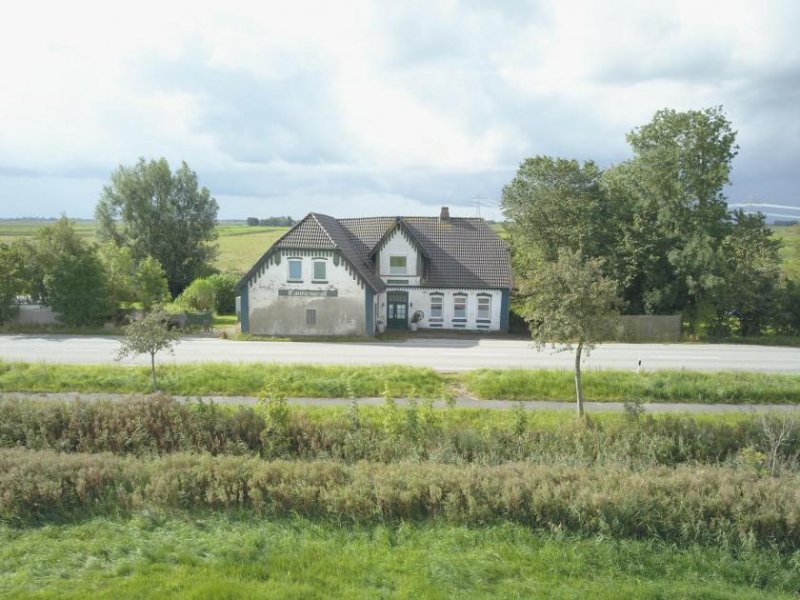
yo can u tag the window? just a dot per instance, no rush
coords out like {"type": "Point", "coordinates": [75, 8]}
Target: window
{"type": "Point", "coordinates": [484, 308]}
{"type": "Point", "coordinates": [437, 311]}
{"type": "Point", "coordinates": [295, 269]}
{"type": "Point", "coordinates": [398, 265]}
{"type": "Point", "coordinates": [311, 316]}
{"type": "Point", "coordinates": [459, 307]}
{"type": "Point", "coordinates": [320, 270]}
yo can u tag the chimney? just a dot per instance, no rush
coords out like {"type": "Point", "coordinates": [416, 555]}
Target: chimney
{"type": "Point", "coordinates": [444, 216]}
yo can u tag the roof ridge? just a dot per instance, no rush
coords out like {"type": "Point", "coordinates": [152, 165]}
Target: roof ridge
{"type": "Point", "coordinates": [324, 230]}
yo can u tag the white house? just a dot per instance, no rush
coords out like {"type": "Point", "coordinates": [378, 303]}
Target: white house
{"type": "Point", "coordinates": [330, 276]}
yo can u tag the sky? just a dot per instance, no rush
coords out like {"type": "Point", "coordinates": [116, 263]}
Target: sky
{"type": "Point", "coordinates": [358, 108]}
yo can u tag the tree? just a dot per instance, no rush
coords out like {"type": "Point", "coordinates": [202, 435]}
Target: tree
{"type": "Point", "coordinates": [66, 273]}
{"type": "Point", "coordinates": [224, 292]}
{"type": "Point", "coordinates": [569, 302]}
{"type": "Point", "coordinates": [12, 283]}
{"type": "Point", "coordinates": [160, 214]}
{"type": "Point", "coordinates": [148, 335]}
{"type": "Point", "coordinates": [120, 271]}
{"type": "Point", "coordinates": [77, 289]}
{"type": "Point", "coordinates": [151, 282]}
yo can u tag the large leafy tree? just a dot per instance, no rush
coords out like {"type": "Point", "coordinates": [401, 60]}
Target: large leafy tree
{"type": "Point", "coordinates": [162, 214]}
{"type": "Point", "coordinates": [12, 278]}
{"type": "Point", "coordinates": [570, 304]}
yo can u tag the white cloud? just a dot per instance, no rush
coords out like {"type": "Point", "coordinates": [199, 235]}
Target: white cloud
{"type": "Point", "coordinates": [375, 106]}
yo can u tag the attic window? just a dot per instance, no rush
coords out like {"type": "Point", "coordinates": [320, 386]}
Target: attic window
{"type": "Point", "coordinates": [295, 269]}
{"type": "Point", "coordinates": [398, 265]}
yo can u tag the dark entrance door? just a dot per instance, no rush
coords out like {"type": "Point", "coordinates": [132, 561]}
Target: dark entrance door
{"type": "Point", "coordinates": [397, 310]}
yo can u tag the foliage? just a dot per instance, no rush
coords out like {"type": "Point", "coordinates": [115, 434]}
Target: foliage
{"type": "Point", "coordinates": [151, 283]}
{"type": "Point", "coordinates": [12, 279]}
{"type": "Point", "coordinates": [120, 271]}
{"type": "Point", "coordinates": [224, 292]}
{"type": "Point", "coordinates": [568, 301]}
{"type": "Point", "coordinates": [148, 335]}
{"type": "Point", "coordinates": [200, 295]}
{"type": "Point", "coordinates": [203, 555]}
{"type": "Point", "coordinates": [727, 507]}
{"type": "Point", "coordinates": [77, 288]}
{"type": "Point", "coordinates": [164, 215]}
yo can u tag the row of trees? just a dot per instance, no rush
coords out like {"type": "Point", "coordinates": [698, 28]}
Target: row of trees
{"type": "Point", "coordinates": [271, 221]}
{"type": "Point", "coordinates": [658, 226]}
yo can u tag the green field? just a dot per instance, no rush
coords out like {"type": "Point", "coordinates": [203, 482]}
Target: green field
{"type": "Point", "coordinates": [239, 245]}
{"type": "Point", "coordinates": [790, 236]}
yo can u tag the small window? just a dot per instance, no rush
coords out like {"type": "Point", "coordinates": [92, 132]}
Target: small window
{"type": "Point", "coordinates": [320, 270]}
{"type": "Point", "coordinates": [398, 265]}
{"type": "Point", "coordinates": [437, 307]}
{"type": "Point", "coordinates": [460, 307]}
{"type": "Point", "coordinates": [311, 316]}
{"type": "Point", "coordinates": [484, 308]}
{"type": "Point", "coordinates": [295, 269]}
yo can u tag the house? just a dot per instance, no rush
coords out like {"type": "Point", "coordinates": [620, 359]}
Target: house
{"type": "Point", "coordinates": [330, 276]}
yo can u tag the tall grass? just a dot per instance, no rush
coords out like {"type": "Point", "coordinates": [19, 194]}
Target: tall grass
{"type": "Point", "coordinates": [217, 556]}
{"type": "Point", "coordinates": [160, 425]}
{"type": "Point", "coordinates": [705, 505]}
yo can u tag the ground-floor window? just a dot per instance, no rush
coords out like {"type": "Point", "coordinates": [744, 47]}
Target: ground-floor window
{"type": "Point", "coordinates": [311, 316]}
{"type": "Point", "coordinates": [437, 308]}
{"type": "Point", "coordinates": [484, 308]}
{"type": "Point", "coordinates": [460, 307]}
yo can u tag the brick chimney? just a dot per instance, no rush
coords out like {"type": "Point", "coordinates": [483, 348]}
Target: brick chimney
{"type": "Point", "coordinates": [444, 216]}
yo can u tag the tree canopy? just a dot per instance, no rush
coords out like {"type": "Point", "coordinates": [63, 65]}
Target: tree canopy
{"type": "Point", "coordinates": [162, 214]}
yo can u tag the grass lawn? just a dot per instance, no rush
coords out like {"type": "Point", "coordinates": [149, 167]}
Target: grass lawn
{"type": "Point", "coordinates": [202, 556]}
{"type": "Point", "coordinates": [318, 381]}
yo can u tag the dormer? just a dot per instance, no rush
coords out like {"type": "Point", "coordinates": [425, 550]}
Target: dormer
{"type": "Point", "coordinates": [399, 257]}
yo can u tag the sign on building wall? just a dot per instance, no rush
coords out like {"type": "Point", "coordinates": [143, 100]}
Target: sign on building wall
{"type": "Point", "coordinates": [316, 293]}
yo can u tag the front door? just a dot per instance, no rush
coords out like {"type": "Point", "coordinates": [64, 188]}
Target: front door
{"type": "Point", "coordinates": [397, 310]}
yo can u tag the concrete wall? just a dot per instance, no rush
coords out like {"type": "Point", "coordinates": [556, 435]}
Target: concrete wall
{"type": "Point", "coordinates": [650, 328]}
{"type": "Point", "coordinates": [420, 299]}
{"type": "Point", "coordinates": [35, 314]}
{"type": "Point", "coordinates": [277, 307]}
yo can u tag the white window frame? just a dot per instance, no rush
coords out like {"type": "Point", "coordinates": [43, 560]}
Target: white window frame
{"type": "Point", "coordinates": [324, 263]}
{"type": "Point", "coordinates": [458, 299]}
{"type": "Point", "coordinates": [392, 270]}
{"type": "Point", "coordinates": [487, 301]}
{"type": "Point", "coordinates": [289, 264]}
{"type": "Point", "coordinates": [437, 299]}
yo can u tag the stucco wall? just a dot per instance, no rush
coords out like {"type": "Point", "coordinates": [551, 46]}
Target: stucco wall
{"type": "Point", "coordinates": [420, 299]}
{"type": "Point", "coordinates": [272, 310]}
{"type": "Point", "coordinates": [399, 245]}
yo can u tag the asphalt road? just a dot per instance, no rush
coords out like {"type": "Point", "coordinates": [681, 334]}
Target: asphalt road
{"type": "Point", "coordinates": [440, 354]}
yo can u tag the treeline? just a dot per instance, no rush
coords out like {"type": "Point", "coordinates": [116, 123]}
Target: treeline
{"type": "Point", "coordinates": [271, 221]}
{"type": "Point", "coordinates": [657, 226]}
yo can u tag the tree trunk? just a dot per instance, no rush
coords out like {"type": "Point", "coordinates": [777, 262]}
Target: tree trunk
{"type": "Point", "coordinates": [153, 369]}
{"type": "Point", "coordinates": [578, 384]}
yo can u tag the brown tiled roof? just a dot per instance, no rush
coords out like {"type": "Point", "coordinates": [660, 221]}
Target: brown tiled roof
{"type": "Point", "coordinates": [461, 252]}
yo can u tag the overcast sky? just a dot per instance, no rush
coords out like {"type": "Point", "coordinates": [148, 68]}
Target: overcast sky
{"type": "Point", "coordinates": [367, 108]}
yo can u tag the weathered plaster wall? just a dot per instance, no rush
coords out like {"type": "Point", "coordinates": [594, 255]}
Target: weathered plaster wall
{"type": "Point", "coordinates": [271, 313]}
{"type": "Point", "coordinates": [399, 245]}
{"type": "Point", "coordinates": [420, 299]}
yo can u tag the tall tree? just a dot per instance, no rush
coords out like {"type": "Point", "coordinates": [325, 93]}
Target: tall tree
{"type": "Point", "coordinates": [12, 279]}
{"type": "Point", "coordinates": [569, 303]}
{"type": "Point", "coordinates": [161, 214]}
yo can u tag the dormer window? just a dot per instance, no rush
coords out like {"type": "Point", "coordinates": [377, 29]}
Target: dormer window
{"type": "Point", "coordinates": [398, 265]}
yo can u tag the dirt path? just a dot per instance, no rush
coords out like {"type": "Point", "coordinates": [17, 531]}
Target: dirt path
{"type": "Point", "coordinates": [462, 402]}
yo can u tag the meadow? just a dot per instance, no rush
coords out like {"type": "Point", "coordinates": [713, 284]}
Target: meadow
{"type": "Point", "coordinates": [240, 246]}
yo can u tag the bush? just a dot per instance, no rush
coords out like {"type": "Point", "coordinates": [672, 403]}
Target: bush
{"type": "Point", "coordinates": [224, 285]}
{"type": "Point", "coordinates": [706, 505]}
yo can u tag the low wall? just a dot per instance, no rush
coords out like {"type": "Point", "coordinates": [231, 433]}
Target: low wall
{"type": "Point", "coordinates": [649, 328]}
{"type": "Point", "coordinates": [35, 314]}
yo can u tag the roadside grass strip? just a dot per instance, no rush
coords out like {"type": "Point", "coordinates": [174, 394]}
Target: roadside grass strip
{"type": "Point", "coordinates": [199, 555]}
